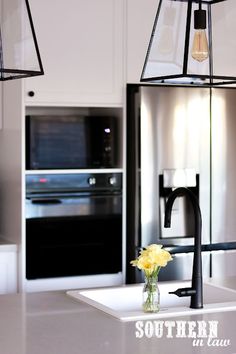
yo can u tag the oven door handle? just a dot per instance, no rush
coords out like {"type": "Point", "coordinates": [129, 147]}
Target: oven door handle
{"type": "Point", "coordinates": [46, 201]}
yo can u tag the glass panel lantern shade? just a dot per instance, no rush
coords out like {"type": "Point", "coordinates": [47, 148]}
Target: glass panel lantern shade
{"type": "Point", "coordinates": [19, 52]}
{"type": "Point", "coordinates": [169, 56]}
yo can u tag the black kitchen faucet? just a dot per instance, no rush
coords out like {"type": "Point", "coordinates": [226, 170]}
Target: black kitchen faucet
{"type": "Point", "coordinates": [195, 291]}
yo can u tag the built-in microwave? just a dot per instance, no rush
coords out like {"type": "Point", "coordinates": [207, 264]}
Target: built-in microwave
{"type": "Point", "coordinates": [70, 142]}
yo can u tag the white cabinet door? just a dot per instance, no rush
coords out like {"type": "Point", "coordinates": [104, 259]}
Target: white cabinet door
{"type": "Point", "coordinates": [8, 272]}
{"type": "Point", "coordinates": [140, 20]}
{"type": "Point", "coordinates": [81, 46]}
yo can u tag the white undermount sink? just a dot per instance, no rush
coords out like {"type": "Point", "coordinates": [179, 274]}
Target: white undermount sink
{"type": "Point", "coordinates": [124, 302]}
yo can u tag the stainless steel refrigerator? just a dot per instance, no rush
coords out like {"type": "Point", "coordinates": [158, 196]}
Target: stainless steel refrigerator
{"type": "Point", "coordinates": [181, 137]}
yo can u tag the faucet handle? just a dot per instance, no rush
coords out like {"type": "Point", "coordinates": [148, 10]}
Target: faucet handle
{"type": "Point", "coordinates": [183, 292]}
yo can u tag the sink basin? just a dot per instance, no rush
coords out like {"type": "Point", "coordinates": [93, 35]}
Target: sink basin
{"type": "Point", "coordinates": [124, 302]}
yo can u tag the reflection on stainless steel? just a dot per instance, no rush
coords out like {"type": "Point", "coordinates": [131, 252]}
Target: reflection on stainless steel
{"type": "Point", "coordinates": [223, 179]}
{"type": "Point", "coordinates": [175, 134]}
{"type": "Point", "coordinates": [223, 263]}
{"type": "Point", "coordinates": [68, 206]}
{"type": "Point", "coordinates": [223, 165]}
{"type": "Point", "coordinates": [181, 267]}
{"type": "Point", "coordinates": [185, 177]}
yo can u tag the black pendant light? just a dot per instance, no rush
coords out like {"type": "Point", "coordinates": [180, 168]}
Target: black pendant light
{"type": "Point", "coordinates": [193, 43]}
{"type": "Point", "coordinates": [19, 52]}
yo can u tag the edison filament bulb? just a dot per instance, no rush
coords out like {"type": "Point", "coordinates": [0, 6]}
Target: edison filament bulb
{"type": "Point", "coordinates": [200, 49]}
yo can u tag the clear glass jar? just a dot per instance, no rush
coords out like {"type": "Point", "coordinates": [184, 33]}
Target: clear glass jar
{"type": "Point", "coordinates": [151, 295]}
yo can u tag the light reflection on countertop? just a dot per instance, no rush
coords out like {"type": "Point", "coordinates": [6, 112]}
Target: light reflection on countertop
{"type": "Point", "coordinates": [53, 323]}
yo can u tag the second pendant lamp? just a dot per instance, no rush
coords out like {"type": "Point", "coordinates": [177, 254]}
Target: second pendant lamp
{"type": "Point", "coordinates": [193, 43]}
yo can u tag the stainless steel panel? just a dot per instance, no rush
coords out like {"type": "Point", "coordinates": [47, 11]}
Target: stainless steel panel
{"type": "Point", "coordinates": [223, 165]}
{"type": "Point", "coordinates": [180, 268]}
{"type": "Point", "coordinates": [223, 264]}
{"type": "Point", "coordinates": [175, 135]}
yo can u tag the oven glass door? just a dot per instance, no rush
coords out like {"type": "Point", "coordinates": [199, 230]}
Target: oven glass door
{"type": "Point", "coordinates": [65, 238]}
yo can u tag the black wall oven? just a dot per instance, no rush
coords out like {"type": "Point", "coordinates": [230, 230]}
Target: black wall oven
{"type": "Point", "coordinates": [71, 142]}
{"type": "Point", "coordinates": [73, 224]}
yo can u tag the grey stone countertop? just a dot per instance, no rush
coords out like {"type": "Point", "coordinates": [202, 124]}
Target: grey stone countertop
{"type": "Point", "coordinates": [54, 323]}
{"type": "Point", "coordinates": [6, 246]}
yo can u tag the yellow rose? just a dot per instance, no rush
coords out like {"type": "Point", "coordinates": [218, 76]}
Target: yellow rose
{"type": "Point", "coordinates": [163, 258]}
{"type": "Point", "coordinates": [152, 258]}
{"type": "Point", "coordinates": [134, 263]}
{"type": "Point", "coordinates": [154, 247]}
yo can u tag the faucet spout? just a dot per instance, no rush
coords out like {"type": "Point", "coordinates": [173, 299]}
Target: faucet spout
{"type": "Point", "coordinates": [196, 291]}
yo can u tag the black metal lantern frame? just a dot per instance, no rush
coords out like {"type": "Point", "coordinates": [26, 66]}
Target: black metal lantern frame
{"type": "Point", "coordinates": [19, 51]}
{"type": "Point", "coordinates": [168, 59]}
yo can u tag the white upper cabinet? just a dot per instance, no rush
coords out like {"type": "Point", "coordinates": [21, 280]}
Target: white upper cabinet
{"type": "Point", "coordinates": [81, 45]}
{"type": "Point", "coordinates": [140, 20]}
